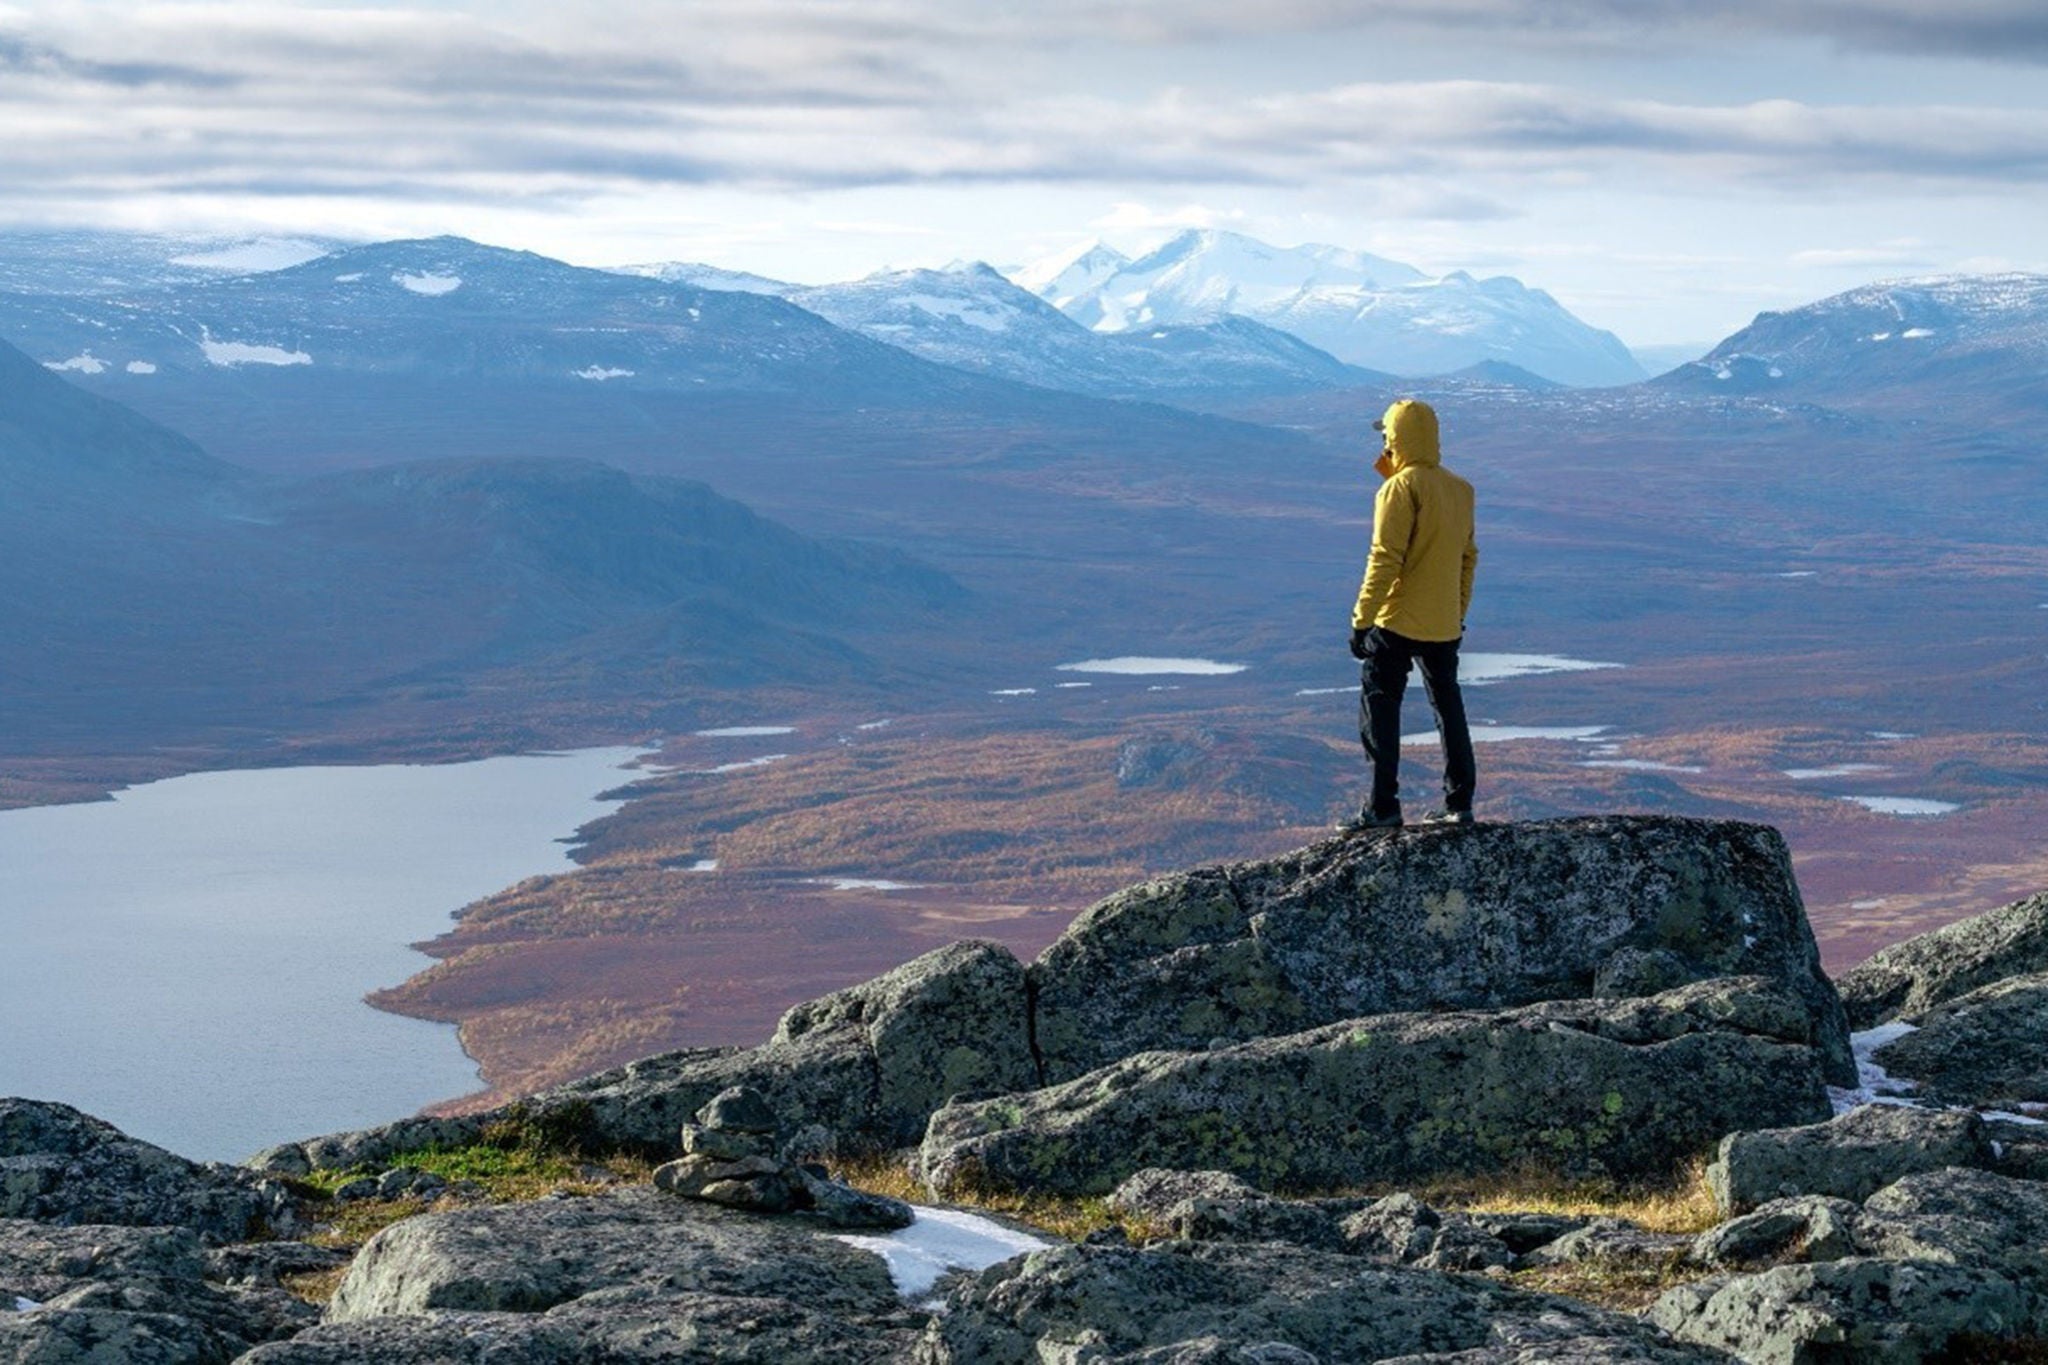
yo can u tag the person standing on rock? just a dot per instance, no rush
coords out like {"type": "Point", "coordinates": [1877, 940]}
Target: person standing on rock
{"type": "Point", "coordinates": [1411, 610]}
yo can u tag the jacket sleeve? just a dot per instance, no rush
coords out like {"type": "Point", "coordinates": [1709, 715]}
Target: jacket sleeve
{"type": "Point", "coordinates": [1393, 524]}
{"type": "Point", "coordinates": [1465, 578]}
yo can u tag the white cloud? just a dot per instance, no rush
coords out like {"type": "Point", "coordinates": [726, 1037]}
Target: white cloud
{"type": "Point", "coordinates": [1130, 216]}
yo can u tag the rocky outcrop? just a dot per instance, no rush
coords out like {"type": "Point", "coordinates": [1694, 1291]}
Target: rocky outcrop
{"type": "Point", "coordinates": [1621, 1089]}
{"type": "Point", "coordinates": [128, 1294]}
{"type": "Point", "coordinates": [58, 1165]}
{"type": "Point", "coordinates": [1988, 1046]}
{"type": "Point", "coordinates": [1849, 1157]}
{"type": "Point", "coordinates": [1909, 978]}
{"type": "Point", "coordinates": [1283, 1305]}
{"type": "Point", "coordinates": [867, 1064]}
{"type": "Point", "coordinates": [1481, 917]}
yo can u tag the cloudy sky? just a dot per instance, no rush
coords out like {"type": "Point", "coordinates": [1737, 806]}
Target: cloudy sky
{"type": "Point", "coordinates": [1665, 168]}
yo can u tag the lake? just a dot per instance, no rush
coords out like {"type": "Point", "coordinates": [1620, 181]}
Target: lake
{"type": "Point", "coordinates": [188, 960]}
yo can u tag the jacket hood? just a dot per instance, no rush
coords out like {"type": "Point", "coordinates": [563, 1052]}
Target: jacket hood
{"type": "Point", "coordinates": [1411, 437]}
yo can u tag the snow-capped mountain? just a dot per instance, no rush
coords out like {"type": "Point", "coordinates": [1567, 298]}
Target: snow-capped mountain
{"type": "Point", "coordinates": [970, 316]}
{"type": "Point", "coordinates": [1362, 309]}
{"type": "Point", "coordinates": [1906, 343]}
{"type": "Point", "coordinates": [1061, 279]}
{"type": "Point", "coordinates": [708, 277]}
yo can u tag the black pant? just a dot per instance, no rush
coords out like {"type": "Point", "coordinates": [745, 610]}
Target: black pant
{"type": "Point", "coordinates": [1384, 677]}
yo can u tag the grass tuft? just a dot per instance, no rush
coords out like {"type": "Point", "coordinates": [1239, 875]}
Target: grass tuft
{"type": "Point", "coordinates": [1685, 1205]}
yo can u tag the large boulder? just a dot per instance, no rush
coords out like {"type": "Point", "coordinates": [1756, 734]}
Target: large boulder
{"type": "Point", "coordinates": [1871, 1312]}
{"type": "Point", "coordinates": [1963, 1217]}
{"type": "Point", "coordinates": [1262, 1302]}
{"type": "Point", "coordinates": [1623, 1089]}
{"type": "Point", "coordinates": [58, 1165]}
{"type": "Point", "coordinates": [1987, 1046]}
{"type": "Point", "coordinates": [529, 1258]}
{"type": "Point", "coordinates": [869, 1064]}
{"type": "Point", "coordinates": [1477, 917]}
{"type": "Point", "coordinates": [1909, 978]}
{"type": "Point", "coordinates": [1848, 1157]}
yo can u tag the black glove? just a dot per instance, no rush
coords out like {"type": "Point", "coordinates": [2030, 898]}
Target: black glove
{"type": "Point", "coordinates": [1358, 644]}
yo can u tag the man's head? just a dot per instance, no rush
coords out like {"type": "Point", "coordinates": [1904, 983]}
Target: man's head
{"type": "Point", "coordinates": [1408, 436]}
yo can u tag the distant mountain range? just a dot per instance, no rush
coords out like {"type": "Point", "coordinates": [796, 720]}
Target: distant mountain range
{"type": "Point", "coordinates": [1362, 309]}
{"type": "Point", "coordinates": [1929, 346]}
{"type": "Point", "coordinates": [971, 317]}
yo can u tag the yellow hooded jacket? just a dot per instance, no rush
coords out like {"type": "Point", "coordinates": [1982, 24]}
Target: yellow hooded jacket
{"type": "Point", "coordinates": [1418, 577]}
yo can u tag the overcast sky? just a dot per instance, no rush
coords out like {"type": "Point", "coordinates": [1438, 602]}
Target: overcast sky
{"type": "Point", "coordinates": [1665, 168]}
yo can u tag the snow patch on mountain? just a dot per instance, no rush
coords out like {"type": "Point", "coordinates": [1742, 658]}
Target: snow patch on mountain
{"type": "Point", "coordinates": [233, 353]}
{"type": "Point", "coordinates": [600, 373]}
{"type": "Point", "coordinates": [85, 362]}
{"type": "Point", "coordinates": [141, 367]}
{"type": "Point", "coordinates": [433, 286]}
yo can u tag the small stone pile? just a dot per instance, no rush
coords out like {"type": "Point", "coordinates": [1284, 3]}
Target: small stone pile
{"type": "Point", "coordinates": [735, 1154]}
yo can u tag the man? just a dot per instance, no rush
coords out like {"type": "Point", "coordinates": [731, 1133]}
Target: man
{"type": "Point", "coordinates": [1411, 610]}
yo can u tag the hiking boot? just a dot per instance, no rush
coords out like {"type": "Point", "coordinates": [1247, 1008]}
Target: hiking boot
{"type": "Point", "coordinates": [1448, 816]}
{"type": "Point", "coordinates": [1368, 819]}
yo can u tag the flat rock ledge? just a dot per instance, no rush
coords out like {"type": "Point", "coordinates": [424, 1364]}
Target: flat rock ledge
{"type": "Point", "coordinates": [1618, 1089]}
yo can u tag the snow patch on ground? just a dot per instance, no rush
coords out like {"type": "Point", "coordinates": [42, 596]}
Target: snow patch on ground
{"type": "Point", "coordinates": [599, 373]}
{"type": "Point", "coordinates": [942, 1240]}
{"type": "Point", "coordinates": [746, 731]}
{"type": "Point", "coordinates": [233, 353]}
{"type": "Point", "coordinates": [85, 362]}
{"type": "Point", "coordinates": [22, 1305]}
{"type": "Point", "coordinates": [1904, 805]}
{"type": "Point", "coordinates": [433, 286]}
{"type": "Point", "coordinates": [1141, 665]}
{"type": "Point", "coordinates": [140, 367]}
{"type": "Point", "coordinates": [1873, 1085]}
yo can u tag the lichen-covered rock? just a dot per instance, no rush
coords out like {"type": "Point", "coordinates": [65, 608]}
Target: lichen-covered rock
{"type": "Point", "coordinates": [115, 1294]}
{"type": "Point", "coordinates": [1872, 1312]}
{"type": "Point", "coordinates": [1402, 1229]}
{"type": "Point", "coordinates": [1230, 1302]}
{"type": "Point", "coordinates": [1849, 1157]}
{"type": "Point", "coordinates": [531, 1257]}
{"type": "Point", "coordinates": [1986, 1047]}
{"type": "Point", "coordinates": [1609, 1239]}
{"type": "Point", "coordinates": [1910, 978]}
{"type": "Point", "coordinates": [1572, 1351]}
{"type": "Point", "coordinates": [1156, 1191]}
{"type": "Point", "coordinates": [1807, 1228]}
{"type": "Point", "coordinates": [1622, 1089]}
{"type": "Point", "coordinates": [1963, 1217]}
{"type": "Point", "coordinates": [58, 1165]}
{"type": "Point", "coordinates": [732, 1155]}
{"type": "Point", "coordinates": [428, 1339]}
{"type": "Point", "coordinates": [952, 1023]}
{"type": "Point", "coordinates": [1477, 917]}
